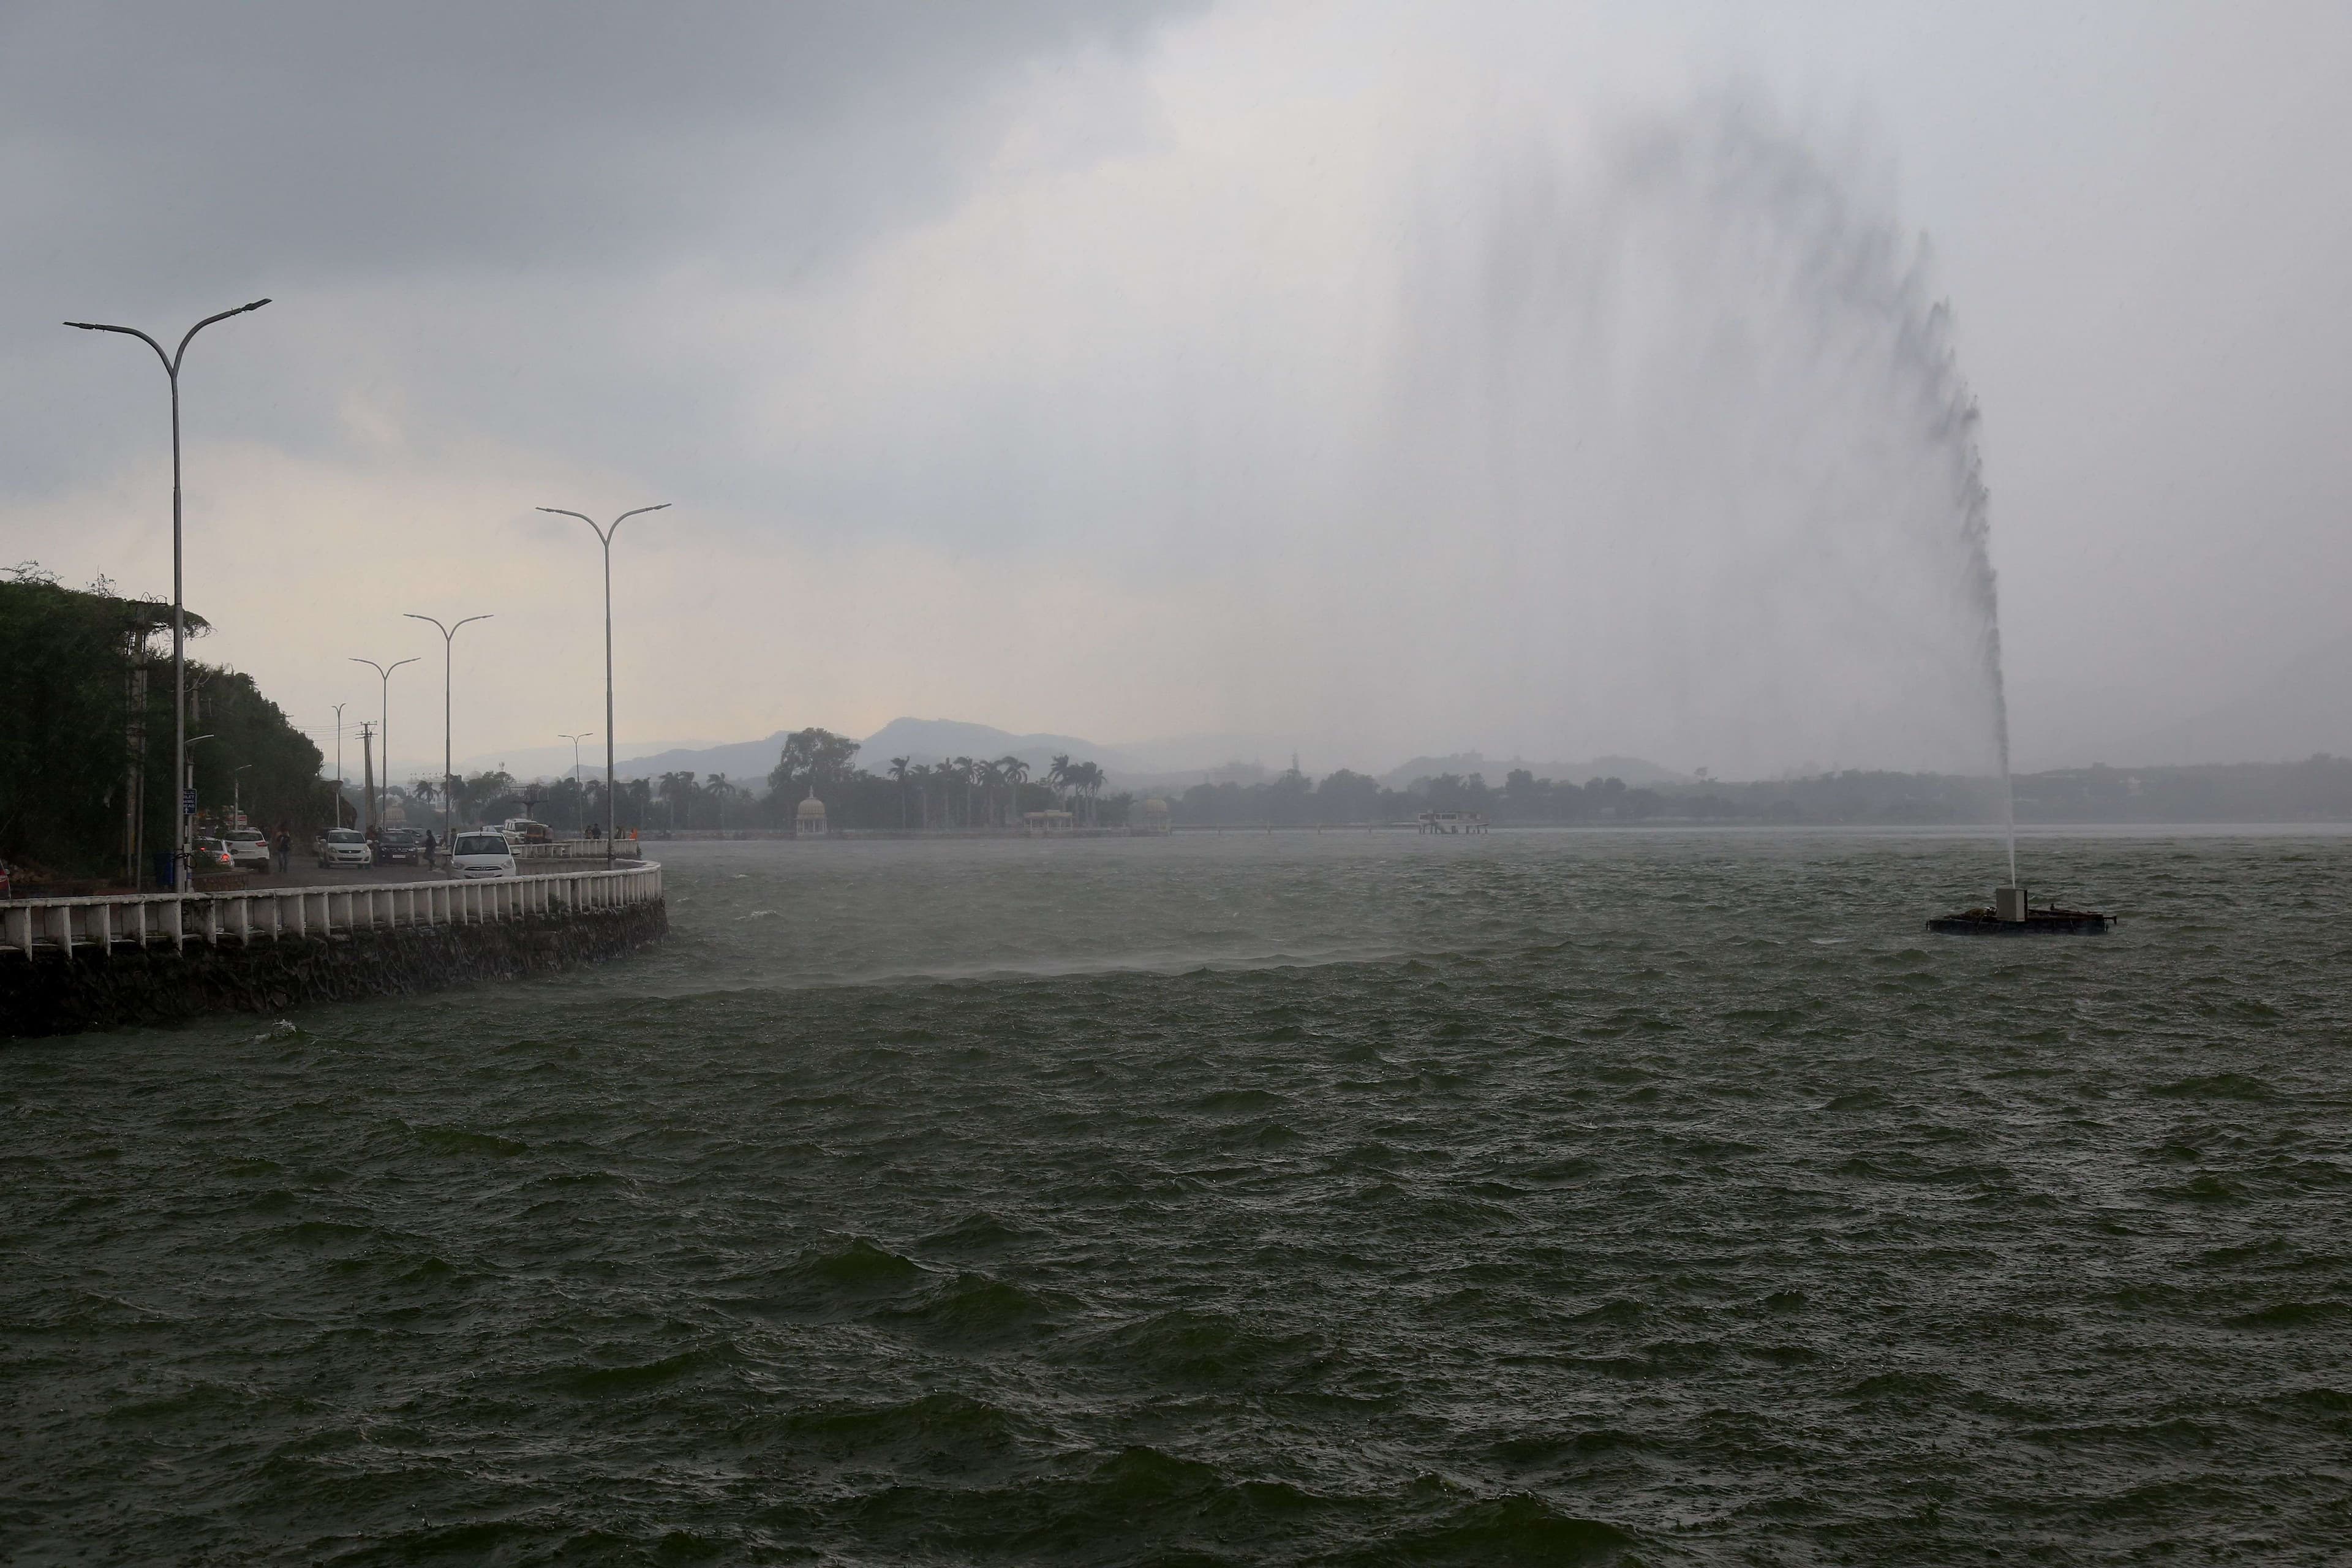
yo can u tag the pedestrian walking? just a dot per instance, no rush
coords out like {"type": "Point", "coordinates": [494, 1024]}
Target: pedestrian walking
{"type": "Point", "coordinates": [431, 848]}
{"type": "Point", "coordinates": [285, 847]}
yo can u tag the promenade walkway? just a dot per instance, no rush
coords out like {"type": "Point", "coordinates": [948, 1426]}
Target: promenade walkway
{"type": "Point", "coordinates": [374, 898]}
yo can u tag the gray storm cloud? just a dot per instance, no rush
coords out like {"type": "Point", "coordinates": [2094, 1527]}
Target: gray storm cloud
{"type": "Point", "coordinates": [1369, 379]}
{"type": "Point", "coordinates": [468, 199]}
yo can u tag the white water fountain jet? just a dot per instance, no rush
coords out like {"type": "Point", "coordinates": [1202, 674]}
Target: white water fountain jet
{"type": "Point", "coordinates": [1684, 464]}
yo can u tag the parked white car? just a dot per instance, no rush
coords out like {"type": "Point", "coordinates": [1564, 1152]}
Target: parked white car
{"type": "Point", "coordinates": [343, 847]}
{"type": "Point", "coordinates": [248, 846]}
{"type": "Point", "coordinates": [482, 853]}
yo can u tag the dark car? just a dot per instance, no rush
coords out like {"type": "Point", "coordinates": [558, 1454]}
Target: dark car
{"type": "Point", "coordinates": [399, 844]}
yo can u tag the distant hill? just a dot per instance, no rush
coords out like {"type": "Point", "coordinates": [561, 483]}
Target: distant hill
{"type": "Point", "coordinates": [1144, 767]}
{"type": "Point", "coordinates": [929, 740]}
{"type": "Point", "coordinates": [1635, 771]}
{"type": "Point", "coordinates": [537, 762]}
{"type": "Point", "coordinates": [745, 762]}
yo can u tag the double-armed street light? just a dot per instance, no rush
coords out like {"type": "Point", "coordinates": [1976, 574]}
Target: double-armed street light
{"type": "Point", "coordinates": [183, 839]}
{"type": "Point", "coordinates": [449, 656]}
{"type": "Point", "coordinates": [604, 537]}
{"type": "Point", "coordinates": [575, 740]}
{"type": "Point", "coordinates": [383, 729]}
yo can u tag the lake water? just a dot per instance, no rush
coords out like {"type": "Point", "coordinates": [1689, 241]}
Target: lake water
{"type": "Point", "coordinates": [1352, 1198]}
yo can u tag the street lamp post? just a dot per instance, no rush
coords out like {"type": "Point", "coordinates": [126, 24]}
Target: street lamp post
{"type": "Point", "coordinates": [575, 740]}
{"type": "Point", "coordinates": [604, 538]}
{"type": "Point", "coordinates": [237, 794]}
{"type": "Point", "coordinates": [183, 841]}
{"type": "Point", "coordinates": [383, 729]}
{"type": "Point", "coordinates": [449, 656]}
{"type": "Point", "coordinates": [339, 767]}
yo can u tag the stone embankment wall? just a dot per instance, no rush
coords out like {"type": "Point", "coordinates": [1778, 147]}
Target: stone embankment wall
{"type": "Point", "coordinates": [49, 994]}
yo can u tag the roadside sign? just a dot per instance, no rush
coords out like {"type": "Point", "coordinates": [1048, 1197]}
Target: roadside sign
{"type": "Point", "coordinates": [188, 804]}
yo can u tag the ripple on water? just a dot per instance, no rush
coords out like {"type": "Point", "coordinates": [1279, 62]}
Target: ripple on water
{"type": "Point", "coordinates": [1318, 1200]}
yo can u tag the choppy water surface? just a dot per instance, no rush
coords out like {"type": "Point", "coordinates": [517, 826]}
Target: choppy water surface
{"type": "Point", "coordinates": [1539, 1198]}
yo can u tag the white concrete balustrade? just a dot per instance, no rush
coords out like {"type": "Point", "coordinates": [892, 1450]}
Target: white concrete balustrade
{"type": "Point", "coordinates": [96, 926]}
{"type": "Point", "coordinates": [575, 849]}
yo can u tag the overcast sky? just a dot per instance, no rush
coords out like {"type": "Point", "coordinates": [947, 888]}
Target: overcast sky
{"type": "Point", "coordinates": [1048, 365]}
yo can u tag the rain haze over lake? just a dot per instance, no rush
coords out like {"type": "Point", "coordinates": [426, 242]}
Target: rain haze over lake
{"type": "Point", "coordinates": [1798, 415]}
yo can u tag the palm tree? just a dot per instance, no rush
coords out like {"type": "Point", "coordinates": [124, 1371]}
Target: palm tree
{"type": "Point", "coordinates": [975, 787]}
{"type": "Point", "coordinates": [991, 776]}
{"type": "Point", "coordinates": [959, 772]}
{"type": "Point", "coordinates": [719, 789]}
{"type": "Point", "coordinates": [1087, 778]}
{"type": "Point", "coordinates": [1014, 773]}
{"type": "Point", "coordinates": [1057, 777]}
{"type": "Point", "coordinates": [923, 775]}
{"type": "Point", "coordinates": [898, 770]}
{"type": "Point", "coordinates": [677, 790]}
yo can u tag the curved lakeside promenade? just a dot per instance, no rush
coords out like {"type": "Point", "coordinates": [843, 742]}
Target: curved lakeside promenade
{"type": "Point", "coordinates": [69, 965]}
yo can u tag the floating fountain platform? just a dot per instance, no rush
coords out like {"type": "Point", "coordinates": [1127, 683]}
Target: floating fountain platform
{"type": "Point", "coordinates": [2012, 914]}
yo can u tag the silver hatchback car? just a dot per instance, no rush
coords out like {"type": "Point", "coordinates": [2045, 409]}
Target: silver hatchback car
{"type": "Point", "coordinates": [485, 853]}
{"type": "Point", "coordinates": [343, 847]}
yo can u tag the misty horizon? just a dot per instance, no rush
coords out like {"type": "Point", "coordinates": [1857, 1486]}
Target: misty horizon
{"type": "Point", "coordinates": [1357, 420]}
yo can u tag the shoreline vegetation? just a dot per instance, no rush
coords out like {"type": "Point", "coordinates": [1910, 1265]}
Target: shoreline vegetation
{"type": "Point", "coordinates": [86, 786]}
{"type": "Point", "coordinates": [84, 755]}
{"type": "Point", "coordinates": [963, 796]}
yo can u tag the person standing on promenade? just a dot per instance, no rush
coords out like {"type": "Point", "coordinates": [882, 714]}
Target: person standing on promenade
{"type": "Point", "coordinates": [284, 844]}
{"type": "Point", "coordinates": [431, 848]}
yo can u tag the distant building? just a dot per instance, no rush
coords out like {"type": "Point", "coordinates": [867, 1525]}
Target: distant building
{"type": "Point", "coordinates": [1048, 822]}
{"type": "Point", "coordinates": [1151, 818]}
{"type": "Point", "coordinates": [808, 820]}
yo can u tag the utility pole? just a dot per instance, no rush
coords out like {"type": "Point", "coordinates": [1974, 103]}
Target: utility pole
{"type": "Point", "coordinates": [339, 767]}
{"type": "Point", "coordinates": [183, 838]}
{"type": "Point", "coordinates": [367, 766]}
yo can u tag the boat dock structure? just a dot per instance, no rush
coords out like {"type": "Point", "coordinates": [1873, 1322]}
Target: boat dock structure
{"type": "Point", "coordinates": [2011, 914]}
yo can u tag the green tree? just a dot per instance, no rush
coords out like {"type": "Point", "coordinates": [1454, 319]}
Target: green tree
{"type": "Point", "coordinates": [812, 757]}
{"type": "Point", "coordinates": [1058, 776]}
{"type": "Point", "coordinates": [86, 732]}
{"type": "Point", "coordinates": [899, 774]}
{"type": "Point", "coordinates": [1015, 773]}
{"type": "Point", "coordinates": [679, 794]}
